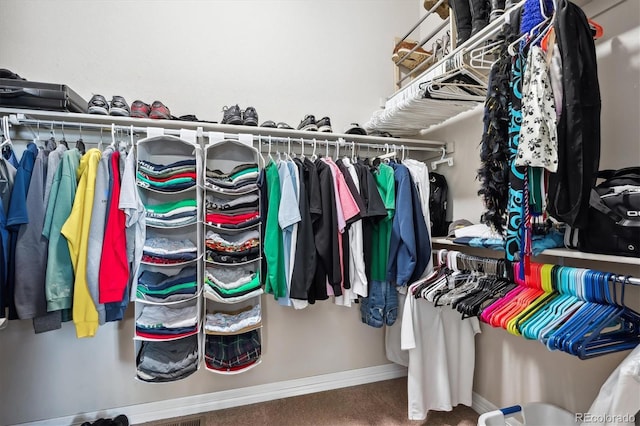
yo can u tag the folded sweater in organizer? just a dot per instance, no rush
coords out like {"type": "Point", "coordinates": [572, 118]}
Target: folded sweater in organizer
{"type": "Point", "coordinates": [238, 240]}
{"type": "Point", "coordinates": [175, 297]}
{"type": "Point", "coordinates": [222, 322]}
{"type": "Point", "coordinates": [185, 288]}
{"type": "Point", "coordinates": [167, 316]}
{"type": "Point", "coordinates": [157, 280]}
{"type": "Point", "coordinates": [164, 357]}
{"type": "Point", "coordinates": [164, 261]}
{"type": "Point", "coordinates": [165, 210]}
{"type": "Point", "coordinates": [165, 333]}
{"type": "Point", "coordinates": [243, 183]}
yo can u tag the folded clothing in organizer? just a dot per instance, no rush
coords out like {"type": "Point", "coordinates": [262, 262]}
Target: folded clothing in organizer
{"type": "Point", "coordinates": [170, 215]}
{"type": "Point", "coordinates": [221, 322]}
{"type": "Point", "coordinates": [225, 277]}
{"type": "Point", "coordinates": [167, 361]}
{"type": "Point", "coordinates": [213, 293]}
{"type": "Point", "coordinates": [161, 286]}
{"type": "Point", "coordinates": [232, 352]}
{"type": "Point", "coordinates": [163, 170]}
{"type": "Point", "coordinates": [230, 243]}
{"type": "Point", "coordinates": [170, 185]}
{"type": "Point", "coordinates": [233, 219]}
{"type": "Point", "coordinates": [236, 190]}
{"type": "Point", "coordinates": [242, 171]}
{"type": "Point", "coordinates": [243, 201]}
{"type": "Point", "coordinates": [172, 316]}
{"type": "Point", "coordinates": [240, 290]}
{"type": "Point", "coordinates": [243, 256]}
{"type": "Point", "coordinates": [165, 250]}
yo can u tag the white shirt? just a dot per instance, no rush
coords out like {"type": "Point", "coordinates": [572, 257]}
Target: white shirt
{"type": "Point", "coordinates": [441, 356]}
{"type": "Point", "coordinates": [420, 174]}
{"type": "Point", "coordinates": [357, 274]}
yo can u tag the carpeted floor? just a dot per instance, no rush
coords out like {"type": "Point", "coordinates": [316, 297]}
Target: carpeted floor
{"type": "Point", "coordinates": [380, 404]}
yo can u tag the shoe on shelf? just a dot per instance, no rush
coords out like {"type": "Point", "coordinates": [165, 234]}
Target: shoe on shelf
{"type": "Point", "coordinates": [231, 115]}
{"type": "Point", "coordinates": [308, 124]}
{"type": "Point", "coordinates": [355, 129]}
{"type": "Point", "coordinates": [442, 10]}
{"type": "Point", "coordinates": [140, 109]}
{"type": "Point", "coordinates": [119, 107]}
{"type": "Point", "coordinates": [98, 105]}
{"type": "Point", "coordinates": [324, 125]}
{"type": "Point", "coordinates": [414, 59]}
{"type": "Point", "coordinates": [159, 111]}
{"type": "Point", "coordinates": [283, 125]}
{"type": "Point", "coordinates": [269, 123]}
{"type": "Point", "coordinates": [250, 117]}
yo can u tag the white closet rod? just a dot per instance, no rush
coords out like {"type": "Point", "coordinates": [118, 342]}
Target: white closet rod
{"type": "Point", "coordinates": [128, 124]}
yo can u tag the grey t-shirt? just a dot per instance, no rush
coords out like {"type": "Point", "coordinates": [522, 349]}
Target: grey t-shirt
{"type": "Point", "coordinates": [53, 161]}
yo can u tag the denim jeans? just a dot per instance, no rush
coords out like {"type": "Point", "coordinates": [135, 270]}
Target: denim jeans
{"type": "Point", "coordinates": [381, 306]}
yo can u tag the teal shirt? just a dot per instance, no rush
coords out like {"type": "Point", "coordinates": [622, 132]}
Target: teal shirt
{"type": "Point", "coordinates": [59, 278]}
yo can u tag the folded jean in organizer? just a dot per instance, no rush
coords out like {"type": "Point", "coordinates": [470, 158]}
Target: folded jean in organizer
{"type": "Point", "coordinates": [223, 352]}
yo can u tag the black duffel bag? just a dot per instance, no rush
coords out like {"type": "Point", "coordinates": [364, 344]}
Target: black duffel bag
{"type": "Point", "coordinates": [614, 215]}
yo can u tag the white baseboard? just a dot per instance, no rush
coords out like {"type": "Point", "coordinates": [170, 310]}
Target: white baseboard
{"type": "Point", "coordinates": [481, 405]}
{"type": "Point", "coordinates": [186, 406]}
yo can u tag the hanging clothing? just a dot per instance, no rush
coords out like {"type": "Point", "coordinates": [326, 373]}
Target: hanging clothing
{"type": "Point", "coordinates": [76, 231]}
{"type": "Point", "coordinates": [441, 356]}
{"type": "Point", "coordinates": [275, 280]}
{"type": "Point", "coordinates": [288, 219]}
{"type": "Point", "coordinates": [59, 276]}
{"type": "Point", "coordinates": [31, 249]}
{"type": "Point", "coordinates": [579, 125]}
{"type": "Point", "coordinates": [16, 217]}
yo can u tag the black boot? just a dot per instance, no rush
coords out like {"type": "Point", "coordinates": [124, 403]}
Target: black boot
{"type": "Point", "coordinates": [479, 15]}
{"type": "Point", "coordinates": [497, 9]}
{"type": "Point", "coordinates": [462, 15]}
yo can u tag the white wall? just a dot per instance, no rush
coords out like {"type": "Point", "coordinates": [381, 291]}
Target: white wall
{"type": "Point", "coordinates": [287, 59]}
{"type": "Point", "coordinates": [509, 369]}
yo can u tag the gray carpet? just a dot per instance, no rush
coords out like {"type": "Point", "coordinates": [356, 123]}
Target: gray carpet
{"type": "Point", "coordinates": [380, 404]}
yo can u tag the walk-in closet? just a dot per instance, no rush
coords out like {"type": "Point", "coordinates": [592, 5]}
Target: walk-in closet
{"type": "Point", "coordinates": [238, 203]}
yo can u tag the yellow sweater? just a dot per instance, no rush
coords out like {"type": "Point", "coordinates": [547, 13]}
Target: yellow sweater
{"type": "Point", "coordinates": [76, 231]}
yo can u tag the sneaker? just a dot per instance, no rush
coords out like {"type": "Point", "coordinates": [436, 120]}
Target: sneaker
{"type": "Point", "coordinates": [250, 117]}
{"type": "Point", "coordinates": [119, 107]}
{"type": "Point", "coordinates": [270, 124]}
{"type": "Point", "coordinates": [159, 111]}
{"type": "Point", "coordinates": [283, 125]}
{"type": "Point", "coordinates": [308, 124]}
{"type": "Point", "coordinates": [355, 129]}
{"type": "Point", "coordinates": [231, 115]}
{"type": "Point", "coordinates": [140, 109]}
{"type": "Point", "coordinates": [98, 105]}
{"type": "Point", "coordinates": [324, 125]}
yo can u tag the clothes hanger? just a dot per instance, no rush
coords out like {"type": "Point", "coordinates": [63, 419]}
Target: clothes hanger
{"type": "Point", "coordinates": [314, 157]}
{"type": "Point", "coordinates": [442, 160]}
{"type": "Point", "coordinates": [64, 138]}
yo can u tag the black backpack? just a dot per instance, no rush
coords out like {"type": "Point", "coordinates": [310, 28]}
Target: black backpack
{"type": "Point", "coordinates": [438, 193]}
{"type": "Point", "coordinates": [613, 225]}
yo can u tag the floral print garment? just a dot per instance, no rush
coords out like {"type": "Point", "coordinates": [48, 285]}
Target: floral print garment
{"type": "Point", "coordinates": [538, 134]}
